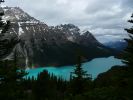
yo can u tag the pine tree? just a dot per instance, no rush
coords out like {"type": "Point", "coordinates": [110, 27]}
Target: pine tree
{"type": "Point", "coordinates": [127, 57]}
{"type": "Point", "coordinates": [11, 80]}
{"type": "Point", "coordinates": [45, 87]}
{"type": "Point", "coordinates": [79, 78]}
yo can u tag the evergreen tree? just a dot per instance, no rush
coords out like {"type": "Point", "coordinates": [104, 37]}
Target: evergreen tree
{"type": "Point", "coordinates": [11, 80]}
{"type": "Point", "coordinates": [79, 78]}
{"type": "Point", "coordinates": [128, 54]}
{"type": "Point", "coordinates": [45, 87]}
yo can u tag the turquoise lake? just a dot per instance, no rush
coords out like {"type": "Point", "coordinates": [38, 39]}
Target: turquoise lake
{"type": "Point", "coordinates": [93, 67]}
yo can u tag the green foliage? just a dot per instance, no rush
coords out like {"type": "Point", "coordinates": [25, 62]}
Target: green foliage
{"type": "Point", "coordinates": [11, 79]}
{"type": "Point", "coordinates": [127, 57]}
{"type": "Point", "coordinates": [80, 80]}
{"type": "Point", "coordinates": [47, 87]}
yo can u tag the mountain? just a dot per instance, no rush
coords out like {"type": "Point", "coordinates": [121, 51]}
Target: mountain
{"type": "Point", "coordinates": [117, 45]}
{"type": "Point", "coordinates": [43, 45]}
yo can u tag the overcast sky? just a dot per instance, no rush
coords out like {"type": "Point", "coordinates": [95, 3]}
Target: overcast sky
{"type": "Point", "coordinates": [101, 17]}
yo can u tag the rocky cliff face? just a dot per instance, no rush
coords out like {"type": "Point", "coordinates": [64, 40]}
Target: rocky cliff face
{"type": "Point", "coordinates": [42, 45]}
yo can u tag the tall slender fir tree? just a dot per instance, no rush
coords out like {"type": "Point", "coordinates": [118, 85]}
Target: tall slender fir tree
{"type": "Point", "coordinates": [79, 78]}
{"type": "Point", "coordinates": [127, 57]}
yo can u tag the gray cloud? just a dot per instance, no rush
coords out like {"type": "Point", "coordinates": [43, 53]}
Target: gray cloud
{"type": "Point", "coordinates": [101, 17]}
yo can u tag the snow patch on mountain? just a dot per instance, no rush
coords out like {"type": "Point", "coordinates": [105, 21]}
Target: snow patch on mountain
{"type": "Point", "coordinates": [70, 38]}
{"type": "Point", "coordinates": [17, 17]}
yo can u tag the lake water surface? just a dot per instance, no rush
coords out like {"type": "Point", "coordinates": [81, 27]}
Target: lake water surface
{"type": "Point", "coordinates": [93, 67]}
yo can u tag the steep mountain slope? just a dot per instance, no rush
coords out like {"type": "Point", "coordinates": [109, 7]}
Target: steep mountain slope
{"type": "Point", "coordinates": [42, 45]}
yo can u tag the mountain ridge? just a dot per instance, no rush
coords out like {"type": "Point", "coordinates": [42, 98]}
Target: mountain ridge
{"type": "Point", "coordinates": [42, 45]}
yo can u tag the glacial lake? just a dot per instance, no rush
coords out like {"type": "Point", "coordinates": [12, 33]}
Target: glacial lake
{"type": "Point", "coordinates": [93, 67]}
